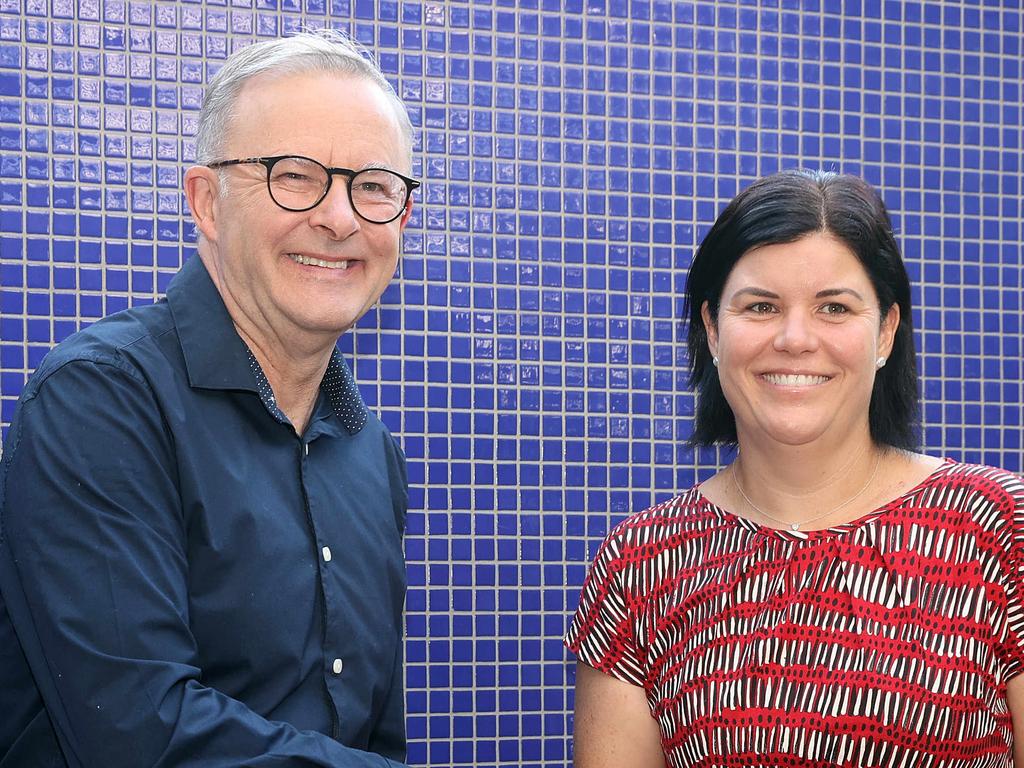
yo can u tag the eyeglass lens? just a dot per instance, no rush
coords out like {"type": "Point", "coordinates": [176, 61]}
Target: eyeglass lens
{"type": "Point", "coordinates": [298, 183]}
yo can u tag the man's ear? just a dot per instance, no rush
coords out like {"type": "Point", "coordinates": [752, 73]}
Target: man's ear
{"type": "Point", "coordinates": [201, 191]}
{"type": "Point", "coordinates": [406, 214]}
{"type": "Point", "coordinates": [710, 328]}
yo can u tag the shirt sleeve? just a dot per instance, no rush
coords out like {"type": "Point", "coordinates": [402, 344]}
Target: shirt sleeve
{"type": "Point", "coordinates": [94, 574]}
{"type": "Point", "coordinates": [603, 633]}
{"type": "Point", "coordinates": [1012, 646]}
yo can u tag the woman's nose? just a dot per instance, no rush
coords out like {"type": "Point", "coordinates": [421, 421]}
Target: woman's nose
{"type": "Point", "coordinates": [795, 333]}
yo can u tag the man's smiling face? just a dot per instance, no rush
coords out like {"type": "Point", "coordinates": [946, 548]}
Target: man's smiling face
{"type": "Point", "coordinates": [304, 276]}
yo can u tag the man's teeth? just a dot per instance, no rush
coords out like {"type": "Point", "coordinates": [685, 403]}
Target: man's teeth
{"type": "Point", "coordinates": [311, 262]}
{"type": "Point", "coordinates": [794, 380]}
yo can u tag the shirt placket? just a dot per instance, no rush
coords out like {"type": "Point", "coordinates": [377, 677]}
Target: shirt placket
{"type": "Point", "coordinates": [333, 661]}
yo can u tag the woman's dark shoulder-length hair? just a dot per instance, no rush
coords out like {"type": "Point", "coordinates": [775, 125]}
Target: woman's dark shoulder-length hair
{"type": "Point", "coordinates": [782, 208]}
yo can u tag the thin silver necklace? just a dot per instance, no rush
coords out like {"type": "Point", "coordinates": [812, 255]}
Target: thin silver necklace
{"type": "Point", "coordinates": [796, 526]}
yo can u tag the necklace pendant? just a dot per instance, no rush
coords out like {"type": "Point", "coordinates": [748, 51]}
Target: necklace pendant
{"type": "Point", "coordinates": [795, 526]}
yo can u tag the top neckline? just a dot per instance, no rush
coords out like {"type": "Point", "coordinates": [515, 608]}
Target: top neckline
{"type": "Point", "coordinates": [832, 530]}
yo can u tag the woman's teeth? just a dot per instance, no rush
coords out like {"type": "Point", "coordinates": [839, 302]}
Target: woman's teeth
{"type": "Point", "coordinates": [794, 379]}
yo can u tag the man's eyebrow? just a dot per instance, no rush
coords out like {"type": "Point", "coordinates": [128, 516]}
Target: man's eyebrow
{"type": "Point", "coordinates": [383, 166]}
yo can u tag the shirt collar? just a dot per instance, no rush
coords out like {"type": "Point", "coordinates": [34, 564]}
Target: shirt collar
{"type": "Point", "coordinates": [217, 358]}
{"type": "Point", "coordinates": [342, 393]}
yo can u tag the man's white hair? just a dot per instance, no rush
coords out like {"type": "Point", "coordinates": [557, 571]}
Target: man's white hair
{"type": "Point", "coordinates": [322, 50]}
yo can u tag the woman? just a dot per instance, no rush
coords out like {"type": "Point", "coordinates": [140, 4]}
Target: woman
{"type": "Point", "coordinates": [831, 597]}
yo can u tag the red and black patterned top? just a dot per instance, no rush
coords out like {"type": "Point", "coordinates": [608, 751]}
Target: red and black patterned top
{"type": "Point", "coordinates": [887, 641]}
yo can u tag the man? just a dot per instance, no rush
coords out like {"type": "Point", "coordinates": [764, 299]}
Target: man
{"type": "Point", "coordinates": [200, 522]}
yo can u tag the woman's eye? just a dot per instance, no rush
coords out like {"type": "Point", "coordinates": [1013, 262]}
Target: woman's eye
{"type": "Point", "coordinates": [761, 307]}
{"type": "Point", "coordinates": [833, 308]}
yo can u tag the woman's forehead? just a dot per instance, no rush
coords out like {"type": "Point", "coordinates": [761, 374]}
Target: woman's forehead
{"type": "Point", "coordinates": [816, 261]}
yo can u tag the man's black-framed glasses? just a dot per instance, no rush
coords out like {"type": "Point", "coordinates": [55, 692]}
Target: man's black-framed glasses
{"type": "Point", "coordinates": [298, 183]}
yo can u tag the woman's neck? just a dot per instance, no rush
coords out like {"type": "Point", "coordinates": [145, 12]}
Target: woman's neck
{"type": "Point", "coordinates": [803, 470]}
{"type": "Point", "coordinates": [797, 487]}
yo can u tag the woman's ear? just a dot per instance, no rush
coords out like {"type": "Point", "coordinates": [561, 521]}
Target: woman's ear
{"type": "Point", "coordinates": [710, 328]}
{"type": "Point", "coordinates": [887, 333]}
{"type": "Point", "coordinates": [201, 190]}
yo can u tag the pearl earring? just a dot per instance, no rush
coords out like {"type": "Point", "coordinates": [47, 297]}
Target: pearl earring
{"type": "Point", "coordinates": [880, 362]}
{"type": "Point", "coordinates": [714, 361]}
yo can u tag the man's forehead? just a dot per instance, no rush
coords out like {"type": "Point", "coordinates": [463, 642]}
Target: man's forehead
{"type": "Point", "coordinates": [280, 106]}
{"type": "Point", "coordinates": [286, 83]}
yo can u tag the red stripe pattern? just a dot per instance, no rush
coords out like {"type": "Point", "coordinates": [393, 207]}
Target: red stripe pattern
{"type": "Point", "coordinates": [887, 641]}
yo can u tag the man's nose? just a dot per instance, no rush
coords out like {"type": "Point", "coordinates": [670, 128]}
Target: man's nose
{"type": "Point", "coordinates": [335, 212]}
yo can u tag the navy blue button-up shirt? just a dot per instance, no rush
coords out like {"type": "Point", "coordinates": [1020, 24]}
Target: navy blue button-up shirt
{"type": "Point", "coordinates": [185, 580]}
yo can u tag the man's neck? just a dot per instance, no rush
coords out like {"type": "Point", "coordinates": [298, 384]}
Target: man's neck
{"type": "Point", "coordinates": [294, 379]}
{"type": "Point", "coordinates": [294, 362]}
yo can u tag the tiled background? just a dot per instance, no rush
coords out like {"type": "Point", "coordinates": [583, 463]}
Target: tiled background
{"type": "Point", "coordinates": [529, 356]}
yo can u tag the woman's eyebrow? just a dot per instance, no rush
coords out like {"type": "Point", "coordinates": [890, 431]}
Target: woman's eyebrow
{"type": "Point", "coordinates": [838, 292]}
{"type": "Point", "coordinates": [761, 293]}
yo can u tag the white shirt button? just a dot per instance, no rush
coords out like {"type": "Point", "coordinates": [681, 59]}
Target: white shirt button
{"type": "Point", "coordinates": [338, 666]}
{"type": "Point", "coordinates": [327, 554]}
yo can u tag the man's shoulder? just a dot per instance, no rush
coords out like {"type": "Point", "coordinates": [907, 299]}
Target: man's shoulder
{"type": "Point", "coordinates": [112, 341]}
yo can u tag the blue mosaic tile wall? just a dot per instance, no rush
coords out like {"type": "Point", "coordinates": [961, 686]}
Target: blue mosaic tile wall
{"type": "Point", "coordinates": [529, 355]}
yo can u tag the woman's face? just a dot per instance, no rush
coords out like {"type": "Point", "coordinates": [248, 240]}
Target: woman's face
{"type": "Point", "coordinates": [798, 334]}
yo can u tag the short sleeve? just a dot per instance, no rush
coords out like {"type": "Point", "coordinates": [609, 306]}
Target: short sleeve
{"type": "Point", "coordinates": [604, 631]}
{"type": "Point", "coordinates": [1011, 647]}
